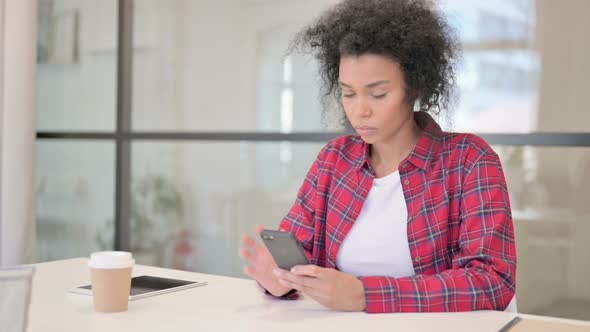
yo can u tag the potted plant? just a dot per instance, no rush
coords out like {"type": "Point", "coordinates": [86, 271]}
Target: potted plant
{"type": "Point", "coordinates": [157, 210]}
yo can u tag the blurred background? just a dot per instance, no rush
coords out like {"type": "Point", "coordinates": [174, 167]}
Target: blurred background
{"type": "Point", "coordinates": [221, 127]}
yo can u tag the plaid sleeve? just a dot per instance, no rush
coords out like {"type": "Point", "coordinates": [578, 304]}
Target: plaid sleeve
{"type": "Point", "coordinates": [300, 219]}
{"type": "Point", "coordinates": [483, 271]}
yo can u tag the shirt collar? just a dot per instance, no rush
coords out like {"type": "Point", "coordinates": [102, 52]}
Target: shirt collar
{"type": "Point", "coordinates": [425, 149]}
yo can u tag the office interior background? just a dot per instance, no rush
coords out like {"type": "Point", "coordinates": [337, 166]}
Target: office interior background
{"type": "Point", "coordinates": [170, 128]}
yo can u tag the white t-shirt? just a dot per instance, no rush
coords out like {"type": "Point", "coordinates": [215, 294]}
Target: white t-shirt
{"type": "Point", "coordinates": [377, 244]}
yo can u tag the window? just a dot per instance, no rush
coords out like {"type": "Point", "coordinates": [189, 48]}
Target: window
{"type": "Point", "coordinates": [178, 137]}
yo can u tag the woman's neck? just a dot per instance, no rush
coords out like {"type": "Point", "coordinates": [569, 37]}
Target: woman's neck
{"type": "Point", "coordinates": [387, 155]}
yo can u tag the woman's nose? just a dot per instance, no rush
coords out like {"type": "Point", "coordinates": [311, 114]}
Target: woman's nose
{"type": "Point", "coordinates": [363, 109]}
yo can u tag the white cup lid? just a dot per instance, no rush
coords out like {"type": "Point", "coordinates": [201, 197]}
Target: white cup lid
{"type": "Point", "coordinates": [111, 260]}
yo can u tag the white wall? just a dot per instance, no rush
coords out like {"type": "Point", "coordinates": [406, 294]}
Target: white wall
{"type": "Point", "coordinates": [563, 106]}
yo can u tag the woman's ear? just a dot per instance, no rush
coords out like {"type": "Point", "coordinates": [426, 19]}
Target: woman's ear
{"type": "Point", "coordinates": [412, 96]}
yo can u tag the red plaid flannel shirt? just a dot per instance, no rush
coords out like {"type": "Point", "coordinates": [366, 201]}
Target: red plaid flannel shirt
{"type": "Point", "coordinates": [460, 228]}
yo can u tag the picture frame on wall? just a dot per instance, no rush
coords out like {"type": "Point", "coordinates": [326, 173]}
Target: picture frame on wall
{"type": "Point", "coordinates": [45, 9]}
{"type": "Point", "coordinates": [63, 46]}
{"type": "Point", "coordinates": [58, 41]}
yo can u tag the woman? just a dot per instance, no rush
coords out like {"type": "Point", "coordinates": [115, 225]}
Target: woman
{"type": "Point", "coordinates": [402, 217]}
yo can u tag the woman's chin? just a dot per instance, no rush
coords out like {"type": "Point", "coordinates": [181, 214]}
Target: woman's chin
{"type": "Point", "coordinates": [369, 139]}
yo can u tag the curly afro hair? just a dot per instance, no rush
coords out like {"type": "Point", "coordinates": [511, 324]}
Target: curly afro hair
{"type": "Point", "coordinates": [411, 32]}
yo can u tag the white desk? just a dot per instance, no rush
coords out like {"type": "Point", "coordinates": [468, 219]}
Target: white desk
{"type": "Point", "coordinates": [226, 304]}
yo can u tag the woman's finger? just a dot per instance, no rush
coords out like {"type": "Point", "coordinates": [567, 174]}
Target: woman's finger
{"type": "Point", "coordinates": [247, 255]}
{"type": "Point", "coordinates": [309, 270]}
{"type": "Point", "coordinates": [301, 281]}
{"type": "Point", "coordinates": [316, 294]}
{"type": "Point", "coordinates": [250, 243]}
{"type": "Point", "coordinates": [246, 240]}
{"type": "Point", "coordinates": [259, 229]}
{"type": "Point", "coordinates": [249, 270]}
{"type": "Point", "coordinates": [291, 284]}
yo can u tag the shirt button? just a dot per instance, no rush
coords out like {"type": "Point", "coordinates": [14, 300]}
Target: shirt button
{"type": "Point", "coordinates": [407, 182]}
{"type": "Point", "coordinates": [405, 166]}
{"type": "Point", "coordinates": [417, 259]}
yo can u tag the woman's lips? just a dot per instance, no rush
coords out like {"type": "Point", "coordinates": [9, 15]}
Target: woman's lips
{"type": "Point", "coordinates": [365, 131]}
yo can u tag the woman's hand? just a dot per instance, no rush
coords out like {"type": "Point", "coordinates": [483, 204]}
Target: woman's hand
{"type": "Point", "coordinates": [331, 288]}
{"type": "Point", "coordinates": [260, 265]}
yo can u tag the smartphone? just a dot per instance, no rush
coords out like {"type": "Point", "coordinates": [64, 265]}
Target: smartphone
{"type": "Point", "coordinates": [284, 248]}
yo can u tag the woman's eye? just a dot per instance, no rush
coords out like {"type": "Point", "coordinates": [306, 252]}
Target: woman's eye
{"type": "Point", "coordinates": [380, 96]}
{"type": "Point", "coordinates": [350, 95]}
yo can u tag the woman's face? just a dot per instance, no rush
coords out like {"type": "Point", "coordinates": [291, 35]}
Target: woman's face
{"type": "Point", "coordinates": [374, 96]}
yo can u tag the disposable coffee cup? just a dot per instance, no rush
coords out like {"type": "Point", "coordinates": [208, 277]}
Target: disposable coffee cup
{"type": "Point", "coordinates": [110, 274]}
